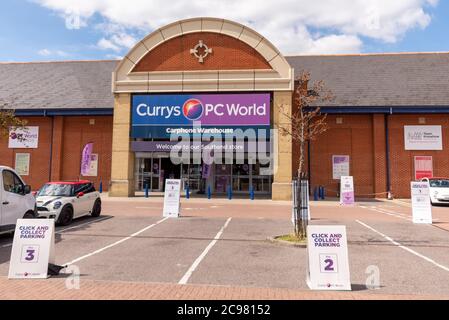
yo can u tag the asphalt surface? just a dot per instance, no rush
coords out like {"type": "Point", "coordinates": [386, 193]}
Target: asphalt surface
{"type": "Point", "coordinates": [136, 245]}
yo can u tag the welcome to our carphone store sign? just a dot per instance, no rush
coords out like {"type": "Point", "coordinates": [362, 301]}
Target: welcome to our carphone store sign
{"type": "Point", "coordinates": [159, 115]}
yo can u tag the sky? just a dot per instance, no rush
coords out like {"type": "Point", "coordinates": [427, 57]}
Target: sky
{"type": "Point", "coordinates": [47, 30]}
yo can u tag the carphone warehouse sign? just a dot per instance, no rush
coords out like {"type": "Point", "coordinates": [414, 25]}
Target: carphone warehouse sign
{"type": "Point", "coordinates": [159, 115]}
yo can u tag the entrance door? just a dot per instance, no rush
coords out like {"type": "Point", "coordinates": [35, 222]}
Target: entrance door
{"type": "Point", "coordinates": [149, 171]}
{"type": "Point", "coordinates": [191, 177]}
{"type": "Point", "coordinates": [169, 170]}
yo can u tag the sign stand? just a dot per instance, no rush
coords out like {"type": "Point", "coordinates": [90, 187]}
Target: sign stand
{"type": "Point", "coordinates": [347, 190]}
{"type": "Point", "coordinates": [421, 207]}
{"type": "Point", "coordinates": [328, 263]}
{"type": "Point", "coordinates": [172, 198]}
{"type": "Point", "coordinates": [33, 249]}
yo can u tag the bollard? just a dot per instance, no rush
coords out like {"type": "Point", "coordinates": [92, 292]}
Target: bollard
{"type": "Point", "coordinates": [209, 193]}
{"type": "Point", "coordinates": [187, 192]}
{"type": "Point", "coordinates": [315, 194]}
{"type": "Point", "coordinates": [146, 190]}
{"type": "Point", "coordinates": [251, 192]}
{"type": "Point", "coordinates": [101, 187]}
{"type": "Point", "coordinates": [229, 192]}
{"type": "Point", "coordinates": [321, 192]}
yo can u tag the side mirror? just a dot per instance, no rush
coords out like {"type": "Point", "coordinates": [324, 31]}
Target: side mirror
{"type": "Point", "coordinates": [80, 194]}
{"type": "Point", "coordinates": [27, 189]}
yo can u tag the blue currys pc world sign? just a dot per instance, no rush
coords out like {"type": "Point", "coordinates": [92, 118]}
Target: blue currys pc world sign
{"type": "Point", "coordinates": [159, 115]}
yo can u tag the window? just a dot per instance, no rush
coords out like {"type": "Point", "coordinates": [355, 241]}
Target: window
{"type": "Point", "coordinates": [12, 183]}
{"type": "Point", "coordinates": [60, 190]}
{"type": "Point", "coordinates": [440, 183]}
{"type": "Point", "coordinates": [90, 188]}
{"type": "Point", "coordinates": [81, 188]}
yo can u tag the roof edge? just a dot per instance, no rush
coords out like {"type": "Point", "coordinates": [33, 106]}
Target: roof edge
{"type": "Point", "coordinates": [367, 54]}
{"type": "Point", "coordinates": [58, 61]}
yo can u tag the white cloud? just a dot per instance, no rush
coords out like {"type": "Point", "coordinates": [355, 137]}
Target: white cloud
{"type": "Point", "coordinates": [117, 42]}
{"type": "Point", "coordinates": [106, 44]}
{"type": "Point", "coordinates": [44, 52]}
{"type": "Point", "coordinates": [47, 53]}
{"type": "Point", "coordinates": [289, 24]}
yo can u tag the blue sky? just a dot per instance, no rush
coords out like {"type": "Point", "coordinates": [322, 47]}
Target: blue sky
{"type": "Point", "coordinates": [36, 30]}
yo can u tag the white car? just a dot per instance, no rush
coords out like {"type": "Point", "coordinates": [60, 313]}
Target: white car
{"type": "Point", "coordinates": [16, 200]}
{"type": "Point", "coordinates": [64, 201]}
{"type": "Point", "coordinates": [439, 190]}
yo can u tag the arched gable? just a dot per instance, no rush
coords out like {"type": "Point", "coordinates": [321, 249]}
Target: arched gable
{"type": "Point", "coordinates": [241, 60]}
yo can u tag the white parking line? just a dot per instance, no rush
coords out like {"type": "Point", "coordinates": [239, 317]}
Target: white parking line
{"type": "Point", "coordinates": [387, 212]}
{"type": "Point", "coordinates": [196, 263]}
{"type": "Point", "coordinates": [115, 243]}
{"type": "Point", "coordinates": [68, 228]}
{"type": "Point", "coordinates": [404, 247]}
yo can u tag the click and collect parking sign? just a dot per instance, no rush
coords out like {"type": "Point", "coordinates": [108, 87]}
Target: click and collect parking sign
{"type": "Point", "coordinates": [421, 207]}
{"type": "Point", "coordinates": [172, 198]}
{"type": "Point", "coordinates": [33, 249]}
{"type": "Point", "coordinates": [328, 265]}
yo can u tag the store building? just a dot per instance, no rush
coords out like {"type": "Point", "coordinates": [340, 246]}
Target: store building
{"type": "Point", "coordinates": [388, 123]}
{"type": "Point", "coordinates": [212, 63]}
{"type": "Point", "coordinates": [68, 104]}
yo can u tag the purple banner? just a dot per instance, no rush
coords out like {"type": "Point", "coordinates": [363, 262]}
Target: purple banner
{"type": "Point", "coordinates": [86, 158]}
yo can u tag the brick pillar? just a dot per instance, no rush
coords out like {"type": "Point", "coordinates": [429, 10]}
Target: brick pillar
{"type": "Point", "coordinates": [380, 162]}
{"type": "Point", "coordinates": [122, 167]}
{"type": "Point", "coordinates": [57, 145]}
{"type": "Point", "coordinates": [281, 187]}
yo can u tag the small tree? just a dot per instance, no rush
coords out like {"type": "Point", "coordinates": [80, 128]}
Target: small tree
{"type": "Point", "coordinates": [8, 119]}
{"type": "Point", "coordinates": [307, 123]}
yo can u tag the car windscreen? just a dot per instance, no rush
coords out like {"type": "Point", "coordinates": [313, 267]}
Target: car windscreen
{"type": "Point", "coordinates": [61, 190]}
{"type": "Point", "coordinates": [439, 183]}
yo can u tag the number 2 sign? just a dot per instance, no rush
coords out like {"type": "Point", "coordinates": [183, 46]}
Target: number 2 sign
{"type": "Point", "coordinates": [328, 263]}
{"type": "Point", "coordinates": [328, 266]}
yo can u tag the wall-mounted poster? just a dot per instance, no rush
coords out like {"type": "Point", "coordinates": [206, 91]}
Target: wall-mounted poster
{"type": "Point", "coordinates": [22, 138]}
{"type": "Point", "coordinates": [92, 170]}
{"type": "Point", "coordinates": [423, 167]}
{"type": "Point", "coordinates": [340, 166]}
{"type": "Point", "coordinates": [423, 138]}
{"type": "Point", "coordinates": [22, 165]}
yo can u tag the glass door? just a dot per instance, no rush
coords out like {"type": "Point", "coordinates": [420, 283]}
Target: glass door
{"type": "Point", "coordinates": [260, 182]}
{"type": "Point", "coordinates": [241, 177]}
{"type": "Point", "coordinates": [222, 177]}
{"type": "Point", "coordinates": [148, 172]}
{"type": "Point", "coordinates": [191, 177]}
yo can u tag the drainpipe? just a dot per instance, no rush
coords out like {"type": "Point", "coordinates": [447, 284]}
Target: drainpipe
{"type": "Point", "coordinates": [387, 155]}
{"type": "Point", "coordinates": [51, 148]}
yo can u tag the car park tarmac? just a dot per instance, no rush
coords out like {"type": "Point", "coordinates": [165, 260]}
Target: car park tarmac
{"type": "Point", "coordinates": [224, 243]}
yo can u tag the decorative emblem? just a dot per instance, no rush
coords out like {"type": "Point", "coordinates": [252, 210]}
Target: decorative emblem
{"type": "Point", "coordinates": [193, 109]}
{"type": "Point", "coordinates": [201, 51]}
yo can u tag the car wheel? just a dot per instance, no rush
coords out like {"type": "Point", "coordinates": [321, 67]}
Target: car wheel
{"type": "Point", "coordinates": [65, 216]}
{"type": "Point", "coordinates": [28, 215]}
{"type": "Point", "coordinates": [96, 210]}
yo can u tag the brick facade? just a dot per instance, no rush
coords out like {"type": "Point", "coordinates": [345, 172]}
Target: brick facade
{"type": "Point", "coordinates": [402, 161]}
{"type": "Point", "coordinates": [61, 140]}
{"type": "Point", "coordinates": [227, 54]}
{"type": "Point", "coordinates": [362, 137]}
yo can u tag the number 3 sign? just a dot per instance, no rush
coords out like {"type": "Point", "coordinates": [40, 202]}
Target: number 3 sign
{"type": "Point", "coordinates": [328, 267]}
{"type": "Point", "coordinates": [32, 249]}
{"type": "Point", "coordinates": [30, 254]}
